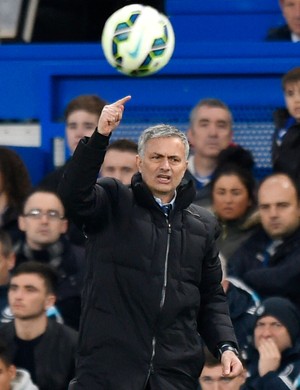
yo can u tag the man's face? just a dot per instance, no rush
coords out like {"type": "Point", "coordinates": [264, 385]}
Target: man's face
{"type": "Point", "coordinates": [269, 330]}
{"type": "Point", "coordinates": [79, 124]}
{"type": "Point", "coordinates": [163, 166]}
{"type": "Point", "coordinates": [7, 374]}
{"type": "Point", "coordinates": [41, 221]}
{"type": "Point", "coordinates": [212, 379]}
{"type": "Point", "coordinates": [292, 99]}
{"type": "Point", "coordinates": [210, 131]}
{"type": "Point", "coordinates": [278, 206]}
{"type": "Point", "coordinates": [6, 264]}
{"type": "Point", "coordinates": [291, 13]}
{"type": "Point", "coordinates": [119, 165]}
{"type": "Point", "coordinates": [28, 296]}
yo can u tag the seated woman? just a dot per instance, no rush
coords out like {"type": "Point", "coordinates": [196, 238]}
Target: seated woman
{"type": "Point", "coordinates": [15, 184]}
{"type": "Point", "coordinates": [234, 198]}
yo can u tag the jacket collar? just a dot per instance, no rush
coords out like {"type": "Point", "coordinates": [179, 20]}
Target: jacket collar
{"type": "Point", "coordinates": [185, 193]}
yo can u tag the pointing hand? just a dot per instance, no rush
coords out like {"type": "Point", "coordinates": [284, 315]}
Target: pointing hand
{"type": "Point", "coordinates": [111, 116]}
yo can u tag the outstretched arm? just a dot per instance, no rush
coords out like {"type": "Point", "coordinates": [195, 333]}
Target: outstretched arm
{"type": "Point", "coordinates": [82, 199]}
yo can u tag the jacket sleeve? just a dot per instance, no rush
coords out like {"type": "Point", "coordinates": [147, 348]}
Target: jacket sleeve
{"type": "Point", "coordinates": [214, 321]}
{"type": "Point", "coordinates": [282, 279]}
{"type": "Point", "coordinates": [81, 196]}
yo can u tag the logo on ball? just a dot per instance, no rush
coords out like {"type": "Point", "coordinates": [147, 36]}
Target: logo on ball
{"type": "Point", "coordinates": [138, 40]}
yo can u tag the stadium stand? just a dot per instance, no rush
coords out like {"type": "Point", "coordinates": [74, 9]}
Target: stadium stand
{"type": "Point", "coordinates": [37, 80]}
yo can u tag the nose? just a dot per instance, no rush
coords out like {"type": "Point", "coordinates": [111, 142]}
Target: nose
{"type": "Point", "coordinates": [117, 175]}
{"type": "Point", "coordinates": [165, 164]}
{"type": "Point", "coordinates": [79, 133]}
{"type": "Point", "coordinates": [273, 212]}
{"type": "Point", "coordinates": [266, 332]}
{"type": "Point", "coordinates": [17, 294]}
{"type": "Point", "coordinates": [212, 130]}
{"type": "Point", "coordinates": [228, 197]}
{"type": "Point", "coordinates": [44, 218]}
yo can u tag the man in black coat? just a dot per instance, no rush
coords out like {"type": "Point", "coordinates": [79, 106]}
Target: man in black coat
{"type": "Point", "coordinates": [153, 283]}
{"type": "Point", "coordinates": [269, 261]}
{"type": "Point", "coordinates": [290, 32]}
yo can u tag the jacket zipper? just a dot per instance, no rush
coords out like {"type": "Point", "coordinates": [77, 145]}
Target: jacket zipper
{"type": "Point", "coordinates": [162, 301]}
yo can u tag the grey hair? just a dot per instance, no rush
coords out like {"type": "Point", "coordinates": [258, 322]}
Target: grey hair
{"type": "Point", "coordinates": [162, 131]}
{"type": "Point", "coordinates": [210, 102]}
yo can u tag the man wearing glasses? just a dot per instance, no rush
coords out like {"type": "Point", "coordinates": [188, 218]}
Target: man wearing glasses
{"type": "Point", "coordinates": [44, 225]}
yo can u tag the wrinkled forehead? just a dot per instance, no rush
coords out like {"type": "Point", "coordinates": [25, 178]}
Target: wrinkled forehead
{"type": "Point", "coordinates": [166, 145]}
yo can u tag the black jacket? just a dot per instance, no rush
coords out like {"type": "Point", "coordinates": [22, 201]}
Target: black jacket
{"type": "Point", "coordinates": [282, 33]}
{"type": "Point", "coordinates": [54, 354]}
{"type": "Point", "coordinates": [152, 285]}
{"type": "Point", "coordinates": [50, 182]}
{"type": "Point", "coordinates": [281, 277]}
{"type": "Point", "coordinates": [286, 377]}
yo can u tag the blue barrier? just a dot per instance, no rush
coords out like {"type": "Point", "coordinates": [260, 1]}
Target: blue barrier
{"type": "Point", "coordinates": [37, 81]}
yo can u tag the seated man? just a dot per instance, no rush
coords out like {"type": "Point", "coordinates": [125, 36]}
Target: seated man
{"type": "Point", "coordinates": [290, 31]}
{"type": "Point", "coordinates": [120, 160]}
{"type": "Point", "coordinates": [44, 225]}
{"type": "Point", "coordinates": [43, 347]}
{"type": "Point", "coordinates": [269, 261]}
{"type": "Point", "coordinates": [212, 377]}
{"type": "Point", "coordinates": [210, 132]}
{"type": "Point", "coordinates": [274, 360]}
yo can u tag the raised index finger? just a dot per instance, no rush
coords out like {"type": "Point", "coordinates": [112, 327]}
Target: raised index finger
{"type": "Point", "coordinates": [122, 101]}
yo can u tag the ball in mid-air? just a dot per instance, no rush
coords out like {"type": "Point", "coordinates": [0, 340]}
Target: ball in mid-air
{"type": "Point", "coordinates": [138, 40]}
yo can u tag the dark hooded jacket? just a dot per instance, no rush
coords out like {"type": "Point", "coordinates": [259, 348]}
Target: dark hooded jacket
{"type": "Point", "coordinates": [153, 284]}
{"type": "Point", "coordinates": [286, 377]}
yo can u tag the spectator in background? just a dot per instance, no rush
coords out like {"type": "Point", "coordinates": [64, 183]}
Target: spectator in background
{"type": "Point", "coordinates": [78, 20]}
{"type": "Point", "coordinates": [15, 184]}
{"type": "Point", "coordinates": [212, 377]}
{"type": "Point", "coordinates": [12, 378]}
{"type": "Point", "coordinates": [210, 132]}
{"type": "Point", "coordinates": [289, 32]}
{"type": "Point", "coordinates": [39, 345]}
{"type": "Point", "coordinates": [81, 117]}
{"type": "Point", "coordinates": [120, 160]}
{"type": "Point", "coordinates": [44, 225]}
{"type": "Point", "coordinates": [273, 361]}
{"type": "Point", "coordinates": [286, 138]}
{"type": "Point", "coordinates": [7, 263]}
{"type": "Point", "coordinates": [269, 261]}
{"type": "Point", "coordinates": [242, 302]}
{"type": "Point", "coordinates": [234, 198]}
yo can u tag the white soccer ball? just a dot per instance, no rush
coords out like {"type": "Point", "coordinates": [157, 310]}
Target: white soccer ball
{"type": "Point", "coordinates": [138, 40]}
